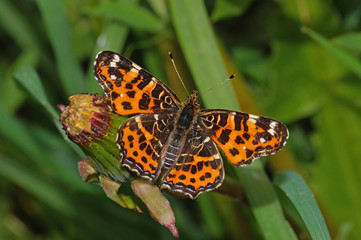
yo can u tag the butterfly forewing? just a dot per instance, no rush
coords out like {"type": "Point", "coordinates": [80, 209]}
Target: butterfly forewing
{"type": "Point", "coordinates": [243, 137]}
{"type": "Point", "coordinates": [131, 89]}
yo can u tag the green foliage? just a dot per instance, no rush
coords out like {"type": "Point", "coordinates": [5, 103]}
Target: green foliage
{"type": "Point", "coordinates": [297, 62]}
{"type": "Point", "coordinates": [301, 197]}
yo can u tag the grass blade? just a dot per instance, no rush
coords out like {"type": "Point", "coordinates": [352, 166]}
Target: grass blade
{"type": "Point", "coordinates": [132, 15]}
{"type": "Point", "coordinates": [56, 24]}
{"type": "Point", "coordinates": [352, 63]}
{"type": "Point", "coordinates": [17, 26]}
{"type": "Point", "coordinates": [302, 198]}
{"type": "Point", "coordinates": [201, 51]}
{"type": "Point", "coordinates": [30, 80]}
{"type": "Point", "coordinates": [265, 204]}
{"type": "Point", "coordinates": [349, 41]}
{"type": "Point", "coordinates": [27, 180]}
{"type": "Point", "coordinates": [337, 169]}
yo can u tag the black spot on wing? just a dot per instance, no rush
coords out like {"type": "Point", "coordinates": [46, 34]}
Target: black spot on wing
{"type": "Point", "coordinates": [182, 177]}
{"type": "Point", "coordinates": [142, 139]}
{"type": "Point", "coordinates": [237, 122]}
{"type": "Point", "coordinates": [146, 79]}
{"type": "Point", "coordinates": [157, 91]}
{"type": "Point", "coordinates": [199, 166]}
{"type": "Point", "coordinates": [223, 119]}
{"type": "Point", "coordinates": [127, 106]}
{"type": "Point", "coordinates": [249, 153]}
{"type": "Point", "coordinates": [130, 94]}
{"type": "Point", "coordinates": [246, 136]}
{"type": "Point", "coordinates": [244, 123]}
{"type": "Point", "coordinates": [144, 102]}
{"type": "Point", "coordinates": [264, 123]}
{"type": "Point", "coordinates": [129, 86]}
{"type": "Point", "coordinates": [186, 167]}
{"type": "Point", "coordinates": [144, 159]}
{"type": "Point", "coordinates": [114, 95]}
{"type": "Point", "coordinates": [142, 146]}
{"type": "Point", "coordinates": [214, 164]}
{"type": "Point", "coordinates": [239, 140]}
{"type": "Point", "coordinates": [224, 137]}
{"type": "Point", "coordinates": [233, 151]}
{"type": "Point", "coordinates": [194, 169]}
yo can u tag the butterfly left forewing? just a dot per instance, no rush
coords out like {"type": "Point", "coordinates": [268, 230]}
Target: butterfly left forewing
{"type": "Point", "coordinates": [243, 137]}
{"type": "Point", "coordinates": [131, 89]}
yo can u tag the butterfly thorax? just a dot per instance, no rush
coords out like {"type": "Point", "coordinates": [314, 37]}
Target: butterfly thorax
{"type": "Point", "coordinates": [183, 124]}
{"type": "Point", "coordinates": [188, 110]}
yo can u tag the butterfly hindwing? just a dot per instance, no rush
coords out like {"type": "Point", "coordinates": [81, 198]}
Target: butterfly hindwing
{"type": "Point", "coordinates": [131, 89]}
{"type": "Point", "coordinates": [141, 140]}
{"type": "Point", "coordinates": [243, 137]}
{"type": "Point", "coordinates": [198, 169]}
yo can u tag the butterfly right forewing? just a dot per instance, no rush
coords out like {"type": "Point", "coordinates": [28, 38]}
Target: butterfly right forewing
{"type": "Point", "coordinates": [243, 137]}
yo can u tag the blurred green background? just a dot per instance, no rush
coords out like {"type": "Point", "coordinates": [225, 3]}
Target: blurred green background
{"type": "Point", "coordinates": [297, 61]}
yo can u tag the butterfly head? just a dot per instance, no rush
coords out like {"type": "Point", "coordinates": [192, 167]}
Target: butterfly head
{"type": "Point", "coordinates": [193, 99]}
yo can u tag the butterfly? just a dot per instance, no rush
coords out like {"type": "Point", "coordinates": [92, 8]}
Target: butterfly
{"type": "Point", "coordinates": [174, 143]}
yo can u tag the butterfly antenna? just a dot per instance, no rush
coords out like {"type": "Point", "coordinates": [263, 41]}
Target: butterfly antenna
{"type": "Point", "coordinates": [171, 58]}
{"type": "Point", "coordinates": [219, 84]}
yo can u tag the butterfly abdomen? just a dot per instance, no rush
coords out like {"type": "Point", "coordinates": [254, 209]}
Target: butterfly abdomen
{"type": "Point", "coordinates": [177, 139]}
{"type": "Point", "coordinates": [171, 153]}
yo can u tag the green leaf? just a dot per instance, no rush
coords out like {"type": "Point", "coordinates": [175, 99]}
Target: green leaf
{"type": "Point", "coordinates": [265, 205]}
{"type": "Point", "coordinates": [300, 83]}
{"type": "Point", "coordinates": [229, 8]}
{"type": "Point", "coordinates": [318, 14]}
{"type": "Point", "coordinates": [10, 94]}
{"type": "Point", "coordinates": [132, 15]}
{"type": "Point", "coordinates": [302, 198]}
{"type": "Point", "coordinates": [56, 24]}
{"type": "Point", "coordinates": [160, 8]}
{"type": "Point", "coordinates": [41, 147]}
{"type": "Point", "coordinates": [210, 217]}
{"type": "Point", "coordinates": [30, 181]}
{"type": "Point", "coordinates": [17, 26]}
{"type": "Point", "coordinates": [349, 61]}
{"type": "Point", "coordinates": [201, 51]}
{"type": "Point", "coordinates": [350, 40]}
{"type": "Point", "coordinates": [30, 80]}
{"type": "Point", "coordinates": [336, 171]}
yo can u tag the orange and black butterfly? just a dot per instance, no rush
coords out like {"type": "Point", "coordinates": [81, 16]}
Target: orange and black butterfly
{"type": "Point", "coordinates": [174, 143]}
